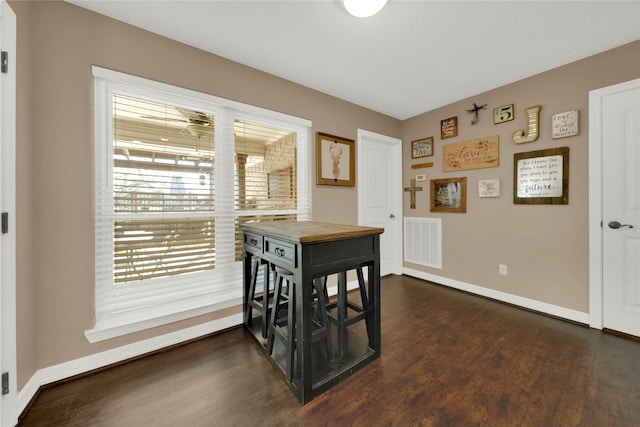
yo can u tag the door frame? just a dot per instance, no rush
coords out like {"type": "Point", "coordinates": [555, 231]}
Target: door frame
{"type": "Point", "coordinates": [596, 230]}
{"type": "Point", "coordinates": [8, 402]}
{"type": "Point", "coordinates": [396, 186]}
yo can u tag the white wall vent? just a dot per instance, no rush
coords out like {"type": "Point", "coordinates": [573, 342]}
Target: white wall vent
{"type": "Point", "coordinates": [423, 241]}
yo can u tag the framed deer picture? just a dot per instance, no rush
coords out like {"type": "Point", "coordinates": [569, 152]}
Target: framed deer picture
{"type": "Point", "coordinates": [335, 160]}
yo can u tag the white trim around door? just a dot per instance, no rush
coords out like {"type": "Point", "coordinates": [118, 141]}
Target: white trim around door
{"type": "Point", "coordinates": [380, 202]}
{"type": "Point", "coordinates": [8, 25]}
{"type": "Point", "coordinates": [596, 143]}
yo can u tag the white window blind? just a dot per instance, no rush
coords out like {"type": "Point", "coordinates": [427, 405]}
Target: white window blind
{"type": "Point", "coordinates": [162, 165]}
{"type": "Point", "coordinates": [265, 176]}
{"type": "Point", "coordinates": [177, 172]}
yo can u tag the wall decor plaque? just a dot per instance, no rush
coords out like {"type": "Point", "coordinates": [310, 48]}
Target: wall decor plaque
{"type": "Point", "coordinates": [449, 127]}
{"type": "Point", "coordinates": [541, 177]}
{"type": "Point", "coordinates": [422, 165]}
{"type": "Point", "coordinates": [489, 188]}
{"type": "Point", "coordinates": [422, 147]}
{"type": "Point", "coordinates": [531, 134]}
{"type": "Point", "coordinates": [475, 154]}
{"type": "Point", "coordinates": [449, 195]}
{"type": "Point", "coordinates": [564, 124]}
{"type": "Point", "coordinates": [503, 114]}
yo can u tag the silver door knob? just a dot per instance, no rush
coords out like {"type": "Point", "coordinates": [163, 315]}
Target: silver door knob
{"type": "Point", "coordinates": [615, 225]}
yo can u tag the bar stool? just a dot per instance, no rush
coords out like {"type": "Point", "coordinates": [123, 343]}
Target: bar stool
{"type": "Point", "coordinates": [283, 325]}
{"type": "Point", "coordinates": [259, 300]}
{"type": "Point", "coordinates": [342, 304]}
{"type": "Point", "coordinates": [320, 320]}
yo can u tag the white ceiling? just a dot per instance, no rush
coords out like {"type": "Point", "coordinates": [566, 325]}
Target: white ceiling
{"type": "Point", "coordinates": [412, 57]}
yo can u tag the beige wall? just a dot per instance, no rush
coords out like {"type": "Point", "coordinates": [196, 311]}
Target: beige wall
{"type": "Point", "coordinates": [57, 44]}
{"type": "Point", "coordinates": [545, 247]}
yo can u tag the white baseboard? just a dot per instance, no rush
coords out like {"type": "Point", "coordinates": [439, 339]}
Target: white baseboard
{"type": "Point", "coordinates": [542, 307]}
{"type": "Point", "coordinates": [82, 365]}
{"type": "Point", "coordinates": [68, 369]}
{"type": "Point", "coordinates": [71, 368]}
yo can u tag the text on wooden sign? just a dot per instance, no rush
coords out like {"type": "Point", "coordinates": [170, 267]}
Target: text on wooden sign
{"type": "Point", "coordinates": [475, 154]}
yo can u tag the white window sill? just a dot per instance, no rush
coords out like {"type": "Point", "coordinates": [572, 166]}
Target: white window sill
{"type": "Point", "coordinates": [152, 317]}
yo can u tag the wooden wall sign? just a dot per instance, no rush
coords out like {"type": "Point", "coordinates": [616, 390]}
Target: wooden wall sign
{"type": "Point", "coordinates": [449, 127]}
{"type": "Point", "coordinates": [422, 165]}
{"type": "Point", "coordinates": [541, 177]}
{"type": "Point", "coordinates": [422, 147]}
{"type": "Point", "coordinates": [475, 154]}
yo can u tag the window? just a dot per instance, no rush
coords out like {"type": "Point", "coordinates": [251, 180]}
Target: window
{"type": "Point", "coordinates": [176, 173]}
{"type": "Point", "coordinates": [163, 190]}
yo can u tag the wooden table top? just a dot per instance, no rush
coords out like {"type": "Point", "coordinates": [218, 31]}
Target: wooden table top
{"type": "Point", "coordinates": [310, 231]}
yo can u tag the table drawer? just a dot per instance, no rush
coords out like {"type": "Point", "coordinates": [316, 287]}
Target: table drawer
{"type": "Point", "coordinates": [281, 250]}
{"type": "Point", "coordinates": [254, 240]}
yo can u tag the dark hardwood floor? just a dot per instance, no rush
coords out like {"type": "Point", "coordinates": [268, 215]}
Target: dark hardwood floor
{"type": "Point", "coordinates": [448, 359]}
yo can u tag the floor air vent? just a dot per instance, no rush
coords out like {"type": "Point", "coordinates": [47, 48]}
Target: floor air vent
{"type": "Point", "coordinates": [423, 241]}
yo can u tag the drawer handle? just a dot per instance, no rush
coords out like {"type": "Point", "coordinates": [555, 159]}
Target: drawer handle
{"type": "Point", "coordinates": [279, 251]}
{"type": "Point", "coordinates": [254, 242]}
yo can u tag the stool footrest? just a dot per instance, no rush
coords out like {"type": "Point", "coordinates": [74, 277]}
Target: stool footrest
{"type": "Point", "coordinates": [349, 304]}
{"type": "Point", "coordinates": [348, 321]}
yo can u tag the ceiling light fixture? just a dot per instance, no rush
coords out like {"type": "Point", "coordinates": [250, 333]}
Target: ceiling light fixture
{"type": "Point", "coordinates": [364, 8]}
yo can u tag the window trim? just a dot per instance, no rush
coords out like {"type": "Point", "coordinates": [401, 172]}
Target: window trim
{"type": "Point", "coordinates": [198, 300]}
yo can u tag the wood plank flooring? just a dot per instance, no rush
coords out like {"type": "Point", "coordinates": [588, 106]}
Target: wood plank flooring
{"type": "Point", "coordinates": [448, 359]}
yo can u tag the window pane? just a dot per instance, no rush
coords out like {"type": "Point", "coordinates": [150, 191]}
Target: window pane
{"type": "Point", "coordinates": [162, 157]}
{"type": "Point", "coordinates": [152, 190]}
{"type": "Point", "coordinates": [148, 249]}
{"type": "Point", "coordinates": [265, 170]}
{"type": "Point", "coordinates": [162, 163]}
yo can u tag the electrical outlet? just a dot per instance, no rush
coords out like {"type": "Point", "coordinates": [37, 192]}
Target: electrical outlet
{"type": "Point", "coordinates": [421, 177]}
{"type": "Point", "coordinates": [502, 269]}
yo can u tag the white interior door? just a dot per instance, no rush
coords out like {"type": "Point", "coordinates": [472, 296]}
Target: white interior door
{"type": "Point", "coordinates": [621, 209]}
{"type": "Point", "coordinates": [379, 172]}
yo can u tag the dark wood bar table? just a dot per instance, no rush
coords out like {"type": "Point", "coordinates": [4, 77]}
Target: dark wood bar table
{"type": "Point", "coordinates": [314, 250]}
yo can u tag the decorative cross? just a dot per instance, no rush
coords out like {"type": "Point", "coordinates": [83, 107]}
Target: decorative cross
{"type": "Point", "coordinates": [475, 110]}
{"type": "Point", "coordinates": [413, 190]}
